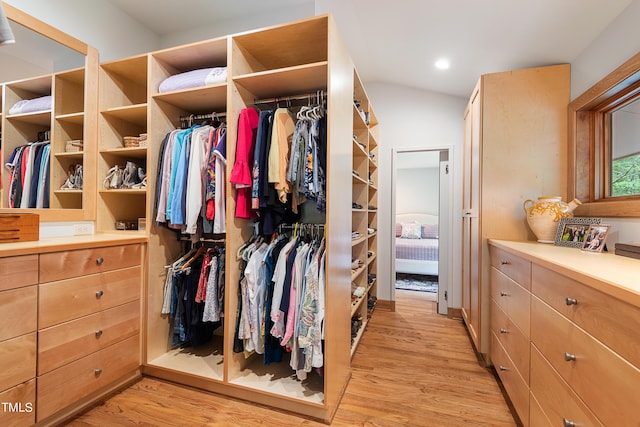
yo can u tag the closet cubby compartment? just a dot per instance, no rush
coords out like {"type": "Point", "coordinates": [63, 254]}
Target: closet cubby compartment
{"type": "Point", "coordinates": [170, 62]}
{"type": "Point", "coordinates": [300, 44]}
{"type": "Point", "coordinates": [123, 113]}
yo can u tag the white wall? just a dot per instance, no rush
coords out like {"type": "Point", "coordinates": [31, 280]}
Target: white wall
{"type": "Point", "coordinates": [617, 43]}
{"type": "Point", "coordinates": [417, 190]}
{"type": "Point", "coordinates": [97, 23]}
{"type": "Point", "coordinates": [233, 26]}
{"type": "Point", "coordinates": [412, 118]}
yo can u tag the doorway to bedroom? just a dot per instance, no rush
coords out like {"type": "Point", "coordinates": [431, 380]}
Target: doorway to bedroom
{"type": "Point", "coordinates": [421, 215]}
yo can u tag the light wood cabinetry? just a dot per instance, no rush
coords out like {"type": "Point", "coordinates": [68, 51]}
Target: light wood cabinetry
{"type": "Point", "coordinates": [280, 61]}
{"type": "Point", "coordinates": [70, 324]}
{"type": "Point", "coordinates": [123, 113]}
{"type": "Point", "coordinates": [18, 305]}
{"type": "Point", "coordinates": [583, 366]}
{"type": "Point", "coordinates": [68, 119]}
{"type": "Point", "coordinates": [364, 215]}
{"type": "Point", "coordinates": [88, 323]}
{"type": "Point", "coordinates": [510, 326]}
{"type": "Point", "coordinates": [514, 149]}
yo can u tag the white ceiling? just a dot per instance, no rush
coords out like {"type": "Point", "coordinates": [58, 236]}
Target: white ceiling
{"type": "Point", "coordinates": [399, 41]}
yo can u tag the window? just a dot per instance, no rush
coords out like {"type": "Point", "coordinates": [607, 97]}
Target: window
{"type": "Point", "coordinates": [604, 145]}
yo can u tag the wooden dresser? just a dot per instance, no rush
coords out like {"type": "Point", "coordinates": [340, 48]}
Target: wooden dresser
{"type": "Point", "coordinates": [565, 341]}
{"type": "Point", "coordinates": [70, 328]}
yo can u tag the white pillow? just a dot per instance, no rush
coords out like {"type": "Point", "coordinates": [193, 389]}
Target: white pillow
{"type": "Point", "coordinates": [411, 231]}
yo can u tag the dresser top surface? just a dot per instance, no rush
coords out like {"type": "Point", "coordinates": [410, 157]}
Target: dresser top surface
{"type": "Point", "coordinates": [615, 275]}
{"type": "Point", "coordinates": [55, 244]}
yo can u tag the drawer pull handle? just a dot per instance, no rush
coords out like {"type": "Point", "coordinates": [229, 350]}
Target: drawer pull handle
{"type": "Point", "coordinates": [568, 423]}
{"type": "Point", "coordinates": [503, 294]}
{"type": "Point", "coordinates": [99, 294]}
{"type": "Point", "coordinates": [99, 260]}
{"type": "Point", "coordinates": [98, 333]}
{"type": "Point", "coordinates": [569, 357]}
{"type": "Point", "coordinates": [503, 368]}
{"type": "Point", "coordinates": [503, 262]}
{"type": "Point", "coordinates": [97, 372]}
{"type": "Point", "coordinates": [503, 331]}
{"type": "Point", "coordinates": [570, 301]}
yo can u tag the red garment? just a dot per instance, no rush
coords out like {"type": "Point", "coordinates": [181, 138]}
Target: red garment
{"type": "Point", "coordinates": [241, 172]}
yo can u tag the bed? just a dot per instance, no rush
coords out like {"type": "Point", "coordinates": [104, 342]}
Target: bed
{"type": "Point", "coordinates": [417, 243]}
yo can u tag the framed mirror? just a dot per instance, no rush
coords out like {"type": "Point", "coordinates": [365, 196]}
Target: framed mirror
{"type": "Point", "coordinates": [48, 121]}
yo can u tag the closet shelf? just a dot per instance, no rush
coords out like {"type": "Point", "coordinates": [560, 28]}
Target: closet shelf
{"type": "Point", "coordinates": [136, 113]}
{"type": "Point", "coordinates": [200, 99]}
{"type": "Point", "coordinates": [373, 187]}
{"type": "Point", "coordinates": [61, 192]}
{"type": "Point", "coordinates": [38, 118]}
{"type": "Point", "coordinates": [70, 155]}
{"type": "Point", "coordinates": [258, 377]}
{"type": "Point", "coordinates": [371, 258]}
{"type": "Point", "coordinates": [288, 81]}
{"type": "Point", "coordinates": [358, 337]}
{"type": "Point", "coordinates": [132, 191]}
{"type": "Point", "coordinates": [205, 361]}
{"type": "Point", "coordinates": [358, 180]}
{"type": "Point", "coordinates": [359, 151]}
{"type": "Point", "coordinates": [355, 304]}
{"type": "Point", "coordinates": [356, 242]}
{"type": "Point", "coordinates": [126, 151]}
{"type": "Point", "coordinates": [357, 272]}
{"type": "Point", "coordinates": [372, 234]}
{"type": "Point", "coordinates": [76, 118]}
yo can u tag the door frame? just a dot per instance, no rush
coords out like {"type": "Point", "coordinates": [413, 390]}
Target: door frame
{"type": "Point", "coordinates": [445, 221]}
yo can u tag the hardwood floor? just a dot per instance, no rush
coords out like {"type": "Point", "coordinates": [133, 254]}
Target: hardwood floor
{"type": "Point", "coordinates": [413, 368]}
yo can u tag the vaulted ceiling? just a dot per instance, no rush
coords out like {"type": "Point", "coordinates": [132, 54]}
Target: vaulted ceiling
{"type": "Point", "coordinates": [398, 42]}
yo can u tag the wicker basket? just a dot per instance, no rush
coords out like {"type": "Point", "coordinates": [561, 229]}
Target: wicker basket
{"type": "Point", "coordinates": [74, 146]}
{"type": "Point", "coordinates": [131, 141]}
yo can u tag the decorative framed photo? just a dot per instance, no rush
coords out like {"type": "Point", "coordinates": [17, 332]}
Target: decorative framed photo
{"type": "Point", "coordinates": [573, 231]}
{"type": "Point", "coordinates": [596, 237]}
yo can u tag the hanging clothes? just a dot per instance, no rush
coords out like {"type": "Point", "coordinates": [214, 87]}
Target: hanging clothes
{"type": "Point", "coordinates": [185, 189]}
{"type": "Point", "coordinates": [193, 295]}
{"type": "Point", "coordinates": [281, 306]}
{"type": "Point", "coordinates": [29, 179]}
{"type": "Point", "coordinates": [241, 172]}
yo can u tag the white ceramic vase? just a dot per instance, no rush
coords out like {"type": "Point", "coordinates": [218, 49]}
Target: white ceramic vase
{"type": "Point", "coordinates": [544, 215]}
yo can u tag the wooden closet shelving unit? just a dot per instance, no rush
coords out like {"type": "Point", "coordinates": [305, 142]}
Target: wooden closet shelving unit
{"type": "Point", "coordinates": [123, 112]}
{"type": "Point", "coordinates": [285, 60]}
{"type": "Point", "coordinates": [364, 213]}
{"type": "Point", "coordinates": [65, 121]}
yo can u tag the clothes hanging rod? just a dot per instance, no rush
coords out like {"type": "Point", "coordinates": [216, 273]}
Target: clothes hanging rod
{"type": "Point", "coordinates": [275, 100]}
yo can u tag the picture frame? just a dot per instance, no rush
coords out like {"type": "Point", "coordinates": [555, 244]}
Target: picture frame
{"type": "Point", "coordinates": [572, 231]}
{"type": "Point", "coordinates": [596, 237]}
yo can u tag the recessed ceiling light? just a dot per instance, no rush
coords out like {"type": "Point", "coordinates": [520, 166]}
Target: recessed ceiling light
{"type": "Point", "coordinates": [442, 64]}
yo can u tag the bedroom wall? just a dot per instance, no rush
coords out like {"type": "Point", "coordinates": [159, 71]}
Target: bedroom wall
{"type": "Point", "coordinates": [97, 23]}
{"type": "Point", "coordinates": [417, 190]}
{"type": "Point", "coordinates": [616, 44]}
{"type": "Point", "coordinates": [413, 118]}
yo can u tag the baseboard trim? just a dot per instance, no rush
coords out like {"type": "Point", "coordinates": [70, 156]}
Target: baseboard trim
{"type": "Point", "coordinates": [386, 305]}
{"type": "Point", "coordinates": [454, 313]}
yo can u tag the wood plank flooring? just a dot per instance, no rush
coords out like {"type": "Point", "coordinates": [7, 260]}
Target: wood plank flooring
{"type": "Point", "coordinates": [413, 368]}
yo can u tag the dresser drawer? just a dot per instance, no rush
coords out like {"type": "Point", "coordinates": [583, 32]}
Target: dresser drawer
{"type": "Point", "coordinates": [18, 308]}
{"type": "Point", "coordinates": [18, 360]}
{"type": "Point", "coordinates": [66, 342]}
{"type": "Point", "coordinates": [69, 299]}
{"type": "Point", "coordinates": [516, 268]}
{"type": "Point", "coordinates": [81, 262]}
{"type": "Point", "coordinates": [19, 405]}
{"type": "Point", "coordinates": [537, 417]}
{"type": "Point", "coordinates": [606, 383]}
{"type": "Point", "coordinates": [613, 322]}
{"type": "Point", "coordinates": [512, 298]}
{"type": "Point", "coordinates": [515, 343]}
{"type": "Point", "coordinates": [86, 375]}
{"type": "Point", "coordinates": [514, 384]}
{"type": "Point", "coordinates": [18, 271]}
{"type": "Point", "coordinates": [557, 401]}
